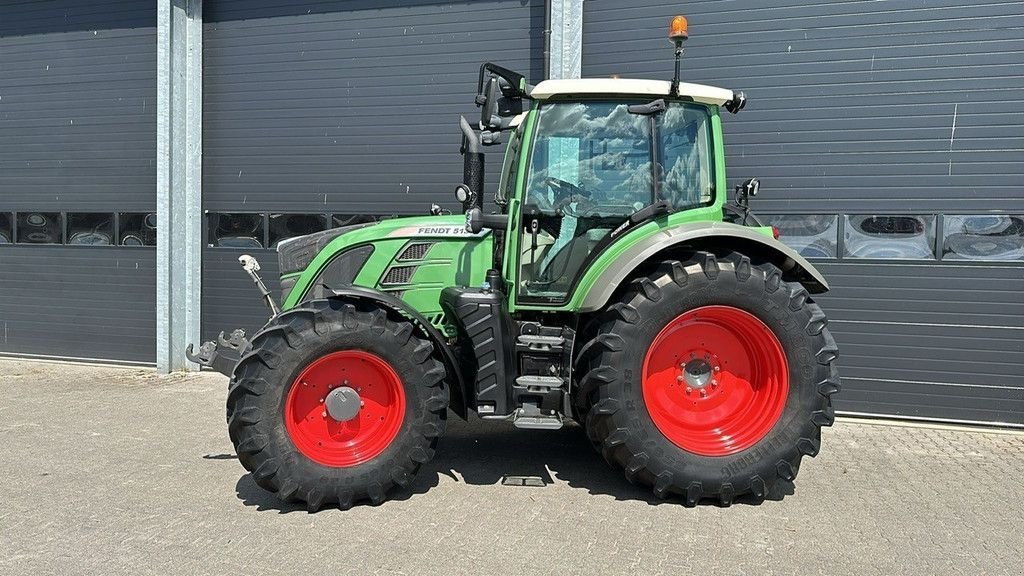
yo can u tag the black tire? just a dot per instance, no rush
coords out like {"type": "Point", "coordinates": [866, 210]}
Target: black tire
{"type": "Point", "coordinates": [281, 350]}
{"type": "Point", "coordinates": [616, 416]}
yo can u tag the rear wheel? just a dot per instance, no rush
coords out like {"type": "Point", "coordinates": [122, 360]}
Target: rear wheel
{"type": "Point", "coordinates": [336, 403]}
{"type": "Point", "coordinates": [709, 378]}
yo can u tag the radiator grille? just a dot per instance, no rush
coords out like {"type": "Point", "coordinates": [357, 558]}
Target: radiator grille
{"type": "Point", "coordinates": [416, 251]}
{"type": "Point", "coordinates": [398, 275]}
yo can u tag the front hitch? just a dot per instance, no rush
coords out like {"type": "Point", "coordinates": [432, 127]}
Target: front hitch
{"type": "Point", "coordinates": [224, 354]}
{"type": "Point", "coordinates": [221, 355]}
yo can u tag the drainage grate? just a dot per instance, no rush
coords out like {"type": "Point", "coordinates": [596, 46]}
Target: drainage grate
{"type": "Point", "coordinates": [415, 251]}
{"type": "Point", "coordinates": [398, 275]}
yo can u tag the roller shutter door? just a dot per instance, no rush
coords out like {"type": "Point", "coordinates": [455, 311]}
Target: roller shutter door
{"type": "Point", "coordinates": [346, 108]}
{"type": "Point", "coordinates": [77, 141]}
{"type": "Point", "coordinates": [888, 139]}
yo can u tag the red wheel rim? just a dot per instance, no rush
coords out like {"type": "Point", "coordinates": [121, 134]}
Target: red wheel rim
{"type": "Point", "coordinates": [340, 444]}
{"type": "Point", "coordinates": [715, 380]}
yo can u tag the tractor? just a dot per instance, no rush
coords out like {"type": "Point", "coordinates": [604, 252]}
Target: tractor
{"type": "Point", "coordinates": [612, 284]}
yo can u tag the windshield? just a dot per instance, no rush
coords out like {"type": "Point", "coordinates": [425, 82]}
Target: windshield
{"type": "Point", "coordinates": [592, 165]}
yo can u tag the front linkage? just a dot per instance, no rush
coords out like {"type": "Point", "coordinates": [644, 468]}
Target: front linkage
{"type": "Point", "coordinates": [223, 354]}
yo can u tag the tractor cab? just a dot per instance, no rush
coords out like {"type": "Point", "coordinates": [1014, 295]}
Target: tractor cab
{"type": "Point", "coordinates": [588, 161]}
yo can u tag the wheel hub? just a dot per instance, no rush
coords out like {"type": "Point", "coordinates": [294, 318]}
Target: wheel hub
{"type": "Point", "coordinates": [342, 404]}
{"type": "Point", "coordinates": [697, 373]}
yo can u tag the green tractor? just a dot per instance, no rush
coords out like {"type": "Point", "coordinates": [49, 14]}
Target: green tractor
{"type": "Point", "coordinates": [612, 285]}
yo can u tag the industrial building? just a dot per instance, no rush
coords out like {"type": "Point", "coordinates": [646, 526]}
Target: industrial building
{"type": "Point", "coordinates": [145, 145]}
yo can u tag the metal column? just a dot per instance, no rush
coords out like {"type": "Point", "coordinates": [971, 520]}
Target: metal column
{"type": "Point", "coordinates": [178, 179]}
{"type": "Point", "coordinates": [565, 39]}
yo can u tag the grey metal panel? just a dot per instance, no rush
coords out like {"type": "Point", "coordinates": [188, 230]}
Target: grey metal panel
{"type": "Point", "coordinates": [78, 133]}
{"type": "Point", "coordinates": [349, 106]}
{"type": "Point", "coordinates": [929, 340]}
{"type": "Point", "coordinates": [853, 107]}
{"type": "Point", "coordinates": [78, 301]}
{"type": "Point", "coordinates": [853, 104]}
{"type": "Point", "coordinates": [77, 102]}
{"type": "Point", "coordinates": [230, 299]}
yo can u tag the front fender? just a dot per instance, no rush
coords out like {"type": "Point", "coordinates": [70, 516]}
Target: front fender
{"type": "Point", "coordinates": [703, 235]}
{"type": "Point", "coordinates": [451, 364]}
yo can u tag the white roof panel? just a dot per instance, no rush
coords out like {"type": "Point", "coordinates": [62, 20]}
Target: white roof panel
{"type": "Point", "coordinates": [699, 92]}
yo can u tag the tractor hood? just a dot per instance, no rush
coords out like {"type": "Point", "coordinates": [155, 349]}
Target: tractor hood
{"type": "Point", "coordinates": [337, 256]}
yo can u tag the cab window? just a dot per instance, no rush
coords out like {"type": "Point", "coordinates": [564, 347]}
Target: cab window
{"type": "Point", "coordinates": [592, 165]}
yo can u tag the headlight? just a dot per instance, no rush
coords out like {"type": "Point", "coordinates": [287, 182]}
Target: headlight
{"type": "Point", "coordinates": [295, 254]}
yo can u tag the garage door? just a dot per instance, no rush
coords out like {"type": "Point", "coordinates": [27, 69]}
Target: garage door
{"type": "Point", "coordinates": [888, 139]}
{"type": "Point", "coordinates": [77, 179]}
{"type": "Point", "coordinates": [317, 114]}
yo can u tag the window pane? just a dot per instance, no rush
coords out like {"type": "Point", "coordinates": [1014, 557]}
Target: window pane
{"type": "Point", "coordinates": [87, 229]}
{"type": "Point", "coordinates": [136, 229]}
{"type": "Point", "coordinates": [6, 228]}
{"type": "Point", "coordinates": [591, 158]}
{"type": "Point", "coordinates": [811, 235]}
{"type": "Point", "coordinates": [890, 237]}
{"type": "Point", "coordinates": [983, 237]}
{"type": "Point", "coordinates": [236, 230]}
{"type": "Point", "coordinates": [339, 220]}
{"type": "Point", "coordinates": [39, 228]}
{"type": "Point", "coordinates": [284, 226]}
{"type": "Point", "coordinates": [684, 135]}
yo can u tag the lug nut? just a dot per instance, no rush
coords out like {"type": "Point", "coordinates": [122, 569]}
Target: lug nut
{"type": "Point", "coordinates": [718, 368]}
{"type": "Point", "coordinates": [703, 393]}
{"type": "Point", "coordinates": [689, 390]}
{"type": "Point", "coordinates": [324, 414]}
{"type": "Point", "coordinates": [714, 383]}
{"type": "Point", "coordinates": [345, 382]}
{"type": "Point", "coordinates": [680, 378]}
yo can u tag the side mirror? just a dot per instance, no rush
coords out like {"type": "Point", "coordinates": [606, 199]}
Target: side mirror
{"type": "Point", "coordinates": [489, 108]}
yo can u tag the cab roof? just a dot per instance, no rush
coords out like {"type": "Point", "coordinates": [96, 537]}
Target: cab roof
{"type": "Point", "coordinates": [621, 86]}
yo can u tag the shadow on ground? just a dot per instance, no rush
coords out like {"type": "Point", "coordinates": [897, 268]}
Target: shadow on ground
{"type": "Point", "coordinates": [487, 453]}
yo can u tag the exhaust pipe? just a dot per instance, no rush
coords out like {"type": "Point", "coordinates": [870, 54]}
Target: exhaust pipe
{"type": "Point", "coordinates": [472, 166]}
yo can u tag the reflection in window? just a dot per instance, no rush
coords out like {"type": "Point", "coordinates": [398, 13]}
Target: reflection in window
{"type": "Point", "coordinates": [339, 220]}
{"type": "Point", "coordinates": [6, 228]}
{"type": "Point", "coordinates": [284, 226]}
{"type": "Point", "coordinates": [811, 235]}
{"type": "Point", "coordinates": [890, 237]}
{"type": "Point", "coordinates": [136, 229]}
{"type": "Point", "coordinates": [983, 237]}
{"type": "Point", "coordinates": [236, 230]}
{"type": "Point", "coordinates": [39, 228]}
{"type": "Point", "coordinates": [87, 229]}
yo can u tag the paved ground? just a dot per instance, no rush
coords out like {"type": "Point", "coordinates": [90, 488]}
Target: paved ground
{"type": "Point", "coordinates": [118, 471]}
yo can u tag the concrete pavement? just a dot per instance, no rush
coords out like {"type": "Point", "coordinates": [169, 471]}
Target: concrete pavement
{"type": "Point", "coordinates": [120, 471]}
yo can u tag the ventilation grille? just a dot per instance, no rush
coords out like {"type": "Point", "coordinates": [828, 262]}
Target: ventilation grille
{"type": "Point", "coordinates": [416, 251]}
{"type": "Point", "coordinates": [398, 275]}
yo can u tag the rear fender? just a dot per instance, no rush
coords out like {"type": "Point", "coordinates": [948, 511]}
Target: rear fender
{"type": "Point", "coordinates": [402, 310]}
{"type": "Point", "coordinates": [710, 236]}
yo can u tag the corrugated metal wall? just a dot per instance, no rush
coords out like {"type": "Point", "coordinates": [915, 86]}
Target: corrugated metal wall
{"type": "Point", "coordinates": [341, 107]}
{"type": "Point", "coordinates": [857, 107]}
{"type": "Point", "coordinates": [77, 134]}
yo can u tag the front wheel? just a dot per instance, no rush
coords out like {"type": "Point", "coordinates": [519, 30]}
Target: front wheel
{"type": "Point", "coordinates": [709, 378]}
{"type": "Point", "coordinates": [336, 403]}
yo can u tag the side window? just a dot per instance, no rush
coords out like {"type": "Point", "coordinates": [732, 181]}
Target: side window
{"type": "Point", "coordinates": [507, 185]}
{"type": "Point", "coordinates": [685, 159]}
